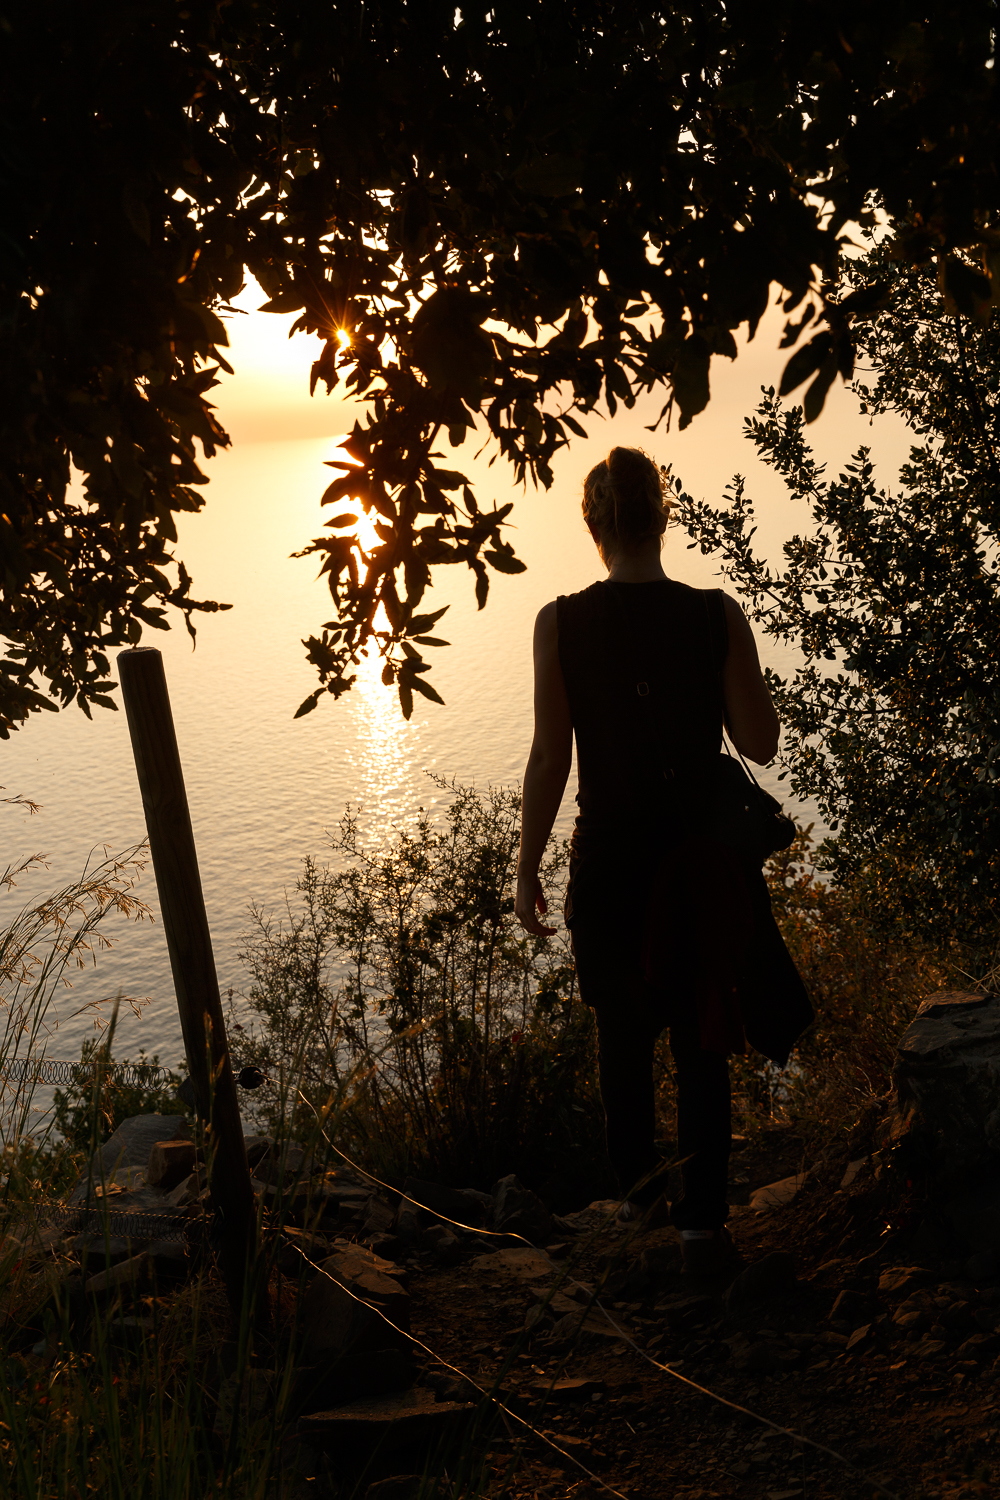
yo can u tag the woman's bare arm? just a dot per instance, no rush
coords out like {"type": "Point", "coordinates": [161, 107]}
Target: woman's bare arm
{"type": "Point", "coordinates": [546, 772]}
{"type": "Point", "coordinates": [751, 718]}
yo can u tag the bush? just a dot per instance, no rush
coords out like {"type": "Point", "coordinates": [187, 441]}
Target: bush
{"type": "Point", "coordinates": [91, 1108]}
{"type": "Point", "coordinates": [866, 986]}
{"type": "Point", "coordinates": [400, 990]}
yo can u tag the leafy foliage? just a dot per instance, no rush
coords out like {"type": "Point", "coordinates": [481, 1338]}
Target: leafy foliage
{"type": "Point", "coordinates": [894, 599]}
{"type": "Point", "coordinates": [401, 989]}
{"type": "Point", "coordinates": [91, 1108]}
{"type": "Point", "coordinates": [513, 213]}
{"type": "Point", "coordinates": [866, 986]}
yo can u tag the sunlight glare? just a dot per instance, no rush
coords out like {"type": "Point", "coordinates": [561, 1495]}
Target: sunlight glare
{"type": "Point", "coordinates": [383, 757]}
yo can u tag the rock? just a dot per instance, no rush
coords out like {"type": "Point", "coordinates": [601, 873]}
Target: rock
{"type": "Point", "coordinates": [849, 1307]}
{"type": "Point", "coordinates": [900, 1281]}
{"type": "Point", "coordinates": [573, 1391]}
{"type": "Point", "coordinates": [170, 1162]}
{"type": "Point", "coordinates": [289, 1165]}
{"type": "Point", "coordinates": [831, 1340]}
{"type": "Point", "coordinates": [778, 1194]}
{"type": "Point", "coordinates": [663, 1260]}
{"type": "Point", "coordinates": [168, 1259]}
{"type": "Point", "coordinates": [462, 1207]}
{"type": "Point", "coordinates": [406, 1224]}
{"type": "Point", "coordinates": [96, 1252]}
{"type": "Point", "coordinates": [257, 1147]}
{"type": "Point", "coordinates": [129, 1146]}
{"type": "Point", "coordinates": [333, 1321]}
{"type": "Point", "coordinates": [518, 1261]}
{"type": "Point", "coordinates": [581, 1328]}
{"type": "Point", "coordinates": [442, 1244]}
{"type": "Point", "coordinates": [686, 1313]}
{"type": "Point", "coordinates": [516, 1210]}
{"type": "Point", "coordinates": [757, 1359]}
{"type": "Point", "coordinates": [859, 1337]}
{"type": "Point", "coordinates": [388, 1246]}
{"type": "Point", "coordinates": [853, 1170]}
{"type": "Point", "coordinates": [945, 1081]}
{"type": "Point", "coordinates": [361, 1373]}
{"type": "Point", "coordinates": [300, 1250]}
{"type": "Point", "coordinates": [378, 1218]}
{"type": "Point", "coordinates": [188, 1191]}
{"type": "Point", "coordinates": [131, 1274]}
{"type": "Point", "coordinates": [928, 1348]}
{"type": "Point", "coordinates": [389, 1422]}
{"type": "Point", "coordinates": [774, 1276]}
{"type": "Point", "coordinates": [978, 1346]}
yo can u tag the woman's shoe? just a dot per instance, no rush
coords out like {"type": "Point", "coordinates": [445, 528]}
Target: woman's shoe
{"type": "Point", "coordinates": [709, 1252]}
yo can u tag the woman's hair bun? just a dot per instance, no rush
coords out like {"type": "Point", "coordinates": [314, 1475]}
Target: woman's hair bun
{"type": "Point", "coordinates": [625, 499]}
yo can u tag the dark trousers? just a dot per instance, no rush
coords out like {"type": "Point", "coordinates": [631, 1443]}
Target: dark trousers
{"type": "Point", "coordinates": [631, 1014]}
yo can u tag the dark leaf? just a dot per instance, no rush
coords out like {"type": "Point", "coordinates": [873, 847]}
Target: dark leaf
{"type": "Point", "coordinates": [803, 362]}
{"type": "Point", "coordinates": [816, 394]}
{"type": "Point", "coordinates": [428, 692]}
{"type": "Point", "coordinates": [504, 562]}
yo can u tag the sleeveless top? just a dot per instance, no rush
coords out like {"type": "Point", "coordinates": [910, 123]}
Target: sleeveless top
{"type": "Point", "coordinates": [700, 921]}
{"type": "Point", "coordinates": [644, 758]}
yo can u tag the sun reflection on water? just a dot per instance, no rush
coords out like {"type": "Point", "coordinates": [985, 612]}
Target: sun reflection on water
{"type": "Point", "coordinates": [385, 753]}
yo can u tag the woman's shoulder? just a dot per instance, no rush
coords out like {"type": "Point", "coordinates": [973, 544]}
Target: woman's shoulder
{"type": "Point", "coordinates": [583, 600]}
{"type": "Point", "coordinates": [591, 592]}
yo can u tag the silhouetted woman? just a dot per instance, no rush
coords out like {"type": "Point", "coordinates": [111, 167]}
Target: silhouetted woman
{"type": "Point", "coordinates": [669, 926]}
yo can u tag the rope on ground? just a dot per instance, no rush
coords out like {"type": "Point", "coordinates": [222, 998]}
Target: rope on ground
{"type": "Point", "coordinates": [798, 1437]}
{"type": "Point", "coordinates": [500, 1405]}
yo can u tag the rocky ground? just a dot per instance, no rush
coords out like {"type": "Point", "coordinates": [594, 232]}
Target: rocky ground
{"type": "Point", "coordinates": [864, 1318]}
{"type": "Point", "coordinates": [836, 1329]}
{"type": "Point", "coordinates": [833, 1331]}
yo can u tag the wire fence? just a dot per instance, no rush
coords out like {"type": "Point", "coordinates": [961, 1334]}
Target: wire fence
{"type": "Point", "coordinates": [49, 1070]}
{"type": "Point", "coordinates": [119, 1224]}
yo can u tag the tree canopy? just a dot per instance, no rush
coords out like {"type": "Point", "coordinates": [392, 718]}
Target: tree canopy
{"type": "Point", "coordinates": [498, 218]}
{"type": "Point", "coordinates": [893, 597]}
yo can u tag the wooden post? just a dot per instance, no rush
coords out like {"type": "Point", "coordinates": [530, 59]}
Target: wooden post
{"type": "Point", "coordinates": [185, 925]}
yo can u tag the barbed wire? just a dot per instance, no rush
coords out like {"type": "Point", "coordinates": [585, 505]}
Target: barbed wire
{"type": "Point", "coordinates": [55, 1070]}
{"type": "Point", "coordinates": [119, 1223]}
{"type": "Point", "coordinates": [47, 1070]}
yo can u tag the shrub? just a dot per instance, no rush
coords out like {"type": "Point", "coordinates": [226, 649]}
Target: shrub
{"type": "Point", "coordinates": [92, 1107]}
{"type": "Point", "coordinates": [866, 985]}
{"type": "Point", "coordinates": [401, 987]}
